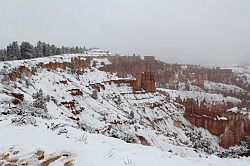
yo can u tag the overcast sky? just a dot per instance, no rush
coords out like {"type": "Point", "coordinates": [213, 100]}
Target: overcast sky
{"type": "Point", "coordinates": [183, 31]}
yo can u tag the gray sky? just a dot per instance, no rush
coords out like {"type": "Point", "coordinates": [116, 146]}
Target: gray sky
{"type": "Point", "coordinates": [184, 31]}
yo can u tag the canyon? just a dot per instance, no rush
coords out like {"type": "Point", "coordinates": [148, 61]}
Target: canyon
{"type": "Point", "coordinates": [129, 98]}
{"type": "Point", "coordinates": [232, 128]}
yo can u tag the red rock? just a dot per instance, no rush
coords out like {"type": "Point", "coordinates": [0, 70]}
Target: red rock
{"type": "Point", "coordinates": [145, 81]}
{"type": "Point", "coordinates": [231, 129]}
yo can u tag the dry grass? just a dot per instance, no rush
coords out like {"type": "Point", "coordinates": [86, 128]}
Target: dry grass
{"type": "Point", "coordinates": [49, 160]}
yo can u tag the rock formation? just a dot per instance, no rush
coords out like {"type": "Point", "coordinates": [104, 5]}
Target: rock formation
{"type": "Point", "coordinates": [144, 81]}
{"type": "Point", "coordinates": [164, 72]}
{"type": "Point", "coordinates": [76, 65]}
{"type": "Point", "coordinates": [229, 126]}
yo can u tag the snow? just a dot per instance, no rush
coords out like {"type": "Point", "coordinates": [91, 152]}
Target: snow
{"type": "Point", "coordinates": [221, 118]}
{"type": "Point", "coordinates": [237, 110]}
{"type": "Point", "coordinates": [96, 149]}
{"type": "Point", "coordinates": [209, 97]}
{"type": "Point", "coordinates": [240, 70]}
{"type": "Point", "coordinates": [103, 112]}
{"type": "Point", "coordinates": [109, 115]}
{"type": "Point", "coordinates": [213, 86]}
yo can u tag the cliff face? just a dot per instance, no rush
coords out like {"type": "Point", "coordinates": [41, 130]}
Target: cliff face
{"type": "Point", "coordinates": [229, 126]}
{"type": "Point", "coordinates": [171, 75]}
{"type": "Point", "coordinates": [76, 65]}
{"type": "Point", "coordinates": [165, 73]}
{"type": "Point", "coordinates": [145, 81]}
{"type": "Point", "coordinates": [97, 102]}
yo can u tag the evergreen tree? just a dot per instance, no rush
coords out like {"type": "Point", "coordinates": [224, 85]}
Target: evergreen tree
{"type": "Point", "coordinates": [3, 55]}
{"type": "Point", "coordinates": [16, 50]}
{"type": "Point", "coordinates": [9, 52]}
{"type": "Point", "coordinates": [39, 49]}
{"type": "Point", "coordinates": [77, 49]}
{"type": "Point", "coordinates": [63, 50]}
{"type": "Point", "coordinates": [53, 49]}
{"type": "Point", "coordinates": [39, 100]}
{"type": "Point", "coordinates": [94, 94]}
{"type": "Point", "coordinates": [72, 66]}
{"type": "Point", "coordinates": [46, 50]}
{"type": "Point", "coordinates": [58, 51]}
{"type": "Point", "coordinates": [13, 51]}
{"type": "Point", "coordinates": [26, 50]}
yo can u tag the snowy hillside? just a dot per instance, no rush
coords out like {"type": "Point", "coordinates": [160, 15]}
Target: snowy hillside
{"type": "Point", "coordinates": [37, 145]}
{"type": "Point", "coordinates": [220, 87]}
{"type": "Point", "coordinates": [243, 71]}
{"type": "Point", "coordinates": [209, 97]}
{"type": "Point", "coordinates": [68, 116]}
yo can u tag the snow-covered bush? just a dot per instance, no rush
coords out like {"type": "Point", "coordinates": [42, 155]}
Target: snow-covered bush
{"type": "Point", "coordinates": [94, 94]}
{"type": "Point", "coordinates": [83, 138]}
{"type": "Point", "coordinates": [24, 120]}
{"type": "Point", "coordinates": [39, 100]}
{"type": "Point", "coordinates": [85, 127]}
{"type": "Point", "coordinates": [94, 63]}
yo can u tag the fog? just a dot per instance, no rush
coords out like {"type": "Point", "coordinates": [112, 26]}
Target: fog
{"type": "Point", "coordinates": [182, 31]}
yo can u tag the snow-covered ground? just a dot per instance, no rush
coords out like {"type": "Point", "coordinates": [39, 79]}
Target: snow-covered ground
{"type": "Point", "coordinates": [209, 97]}
{"type": "Point", "coordinates": [86, 133]}
{"type": "Point", "coordinates": [22, 143]}
{"type": "Point", "coordinates": [220, 87]}
{"type": "Point", "coordinates": [240, 70]}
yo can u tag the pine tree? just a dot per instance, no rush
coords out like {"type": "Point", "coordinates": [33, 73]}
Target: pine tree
{"type": "Point", "coordinates": [63, 50]}
{"type": "Point", "coordinates": [39, 100]}
{"type": "Point", "coordinates": [13, 51]}
{"type": "Point", "coordinates": [94, 64]}
{"type": "Point", "coordinates": [3, 55]}
{"type": "Point", "coordinates": [26, 50]}
{"type": "Point", "coordinates": [58, 51]}
{"type": "Point", "coordinates": [10, 52]}
{"type": "Point", "coordinates": [53, 50]}
{"type": "Point", "coordinates": [94, 94]}
{"type": "Point", "coordinates": [77, 50]}
{"type": "Point", "coordinates": [39, 49]}
{"type": "Point", "coordinates": [72, 65]}
{"type": "Point", "coordinates": [131, 114]}
{"type": "Point", "coordinates": [46, 50]}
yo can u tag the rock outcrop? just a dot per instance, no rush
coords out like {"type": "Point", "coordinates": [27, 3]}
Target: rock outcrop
{"type": "Point", "coordinates": [145, 81]}
{"type": "Point", "coordinates": [231, 127]}
{"type": "Point", "coordinates": [165, 73]}
{"type": "Point", "coordinates": [76, 65]}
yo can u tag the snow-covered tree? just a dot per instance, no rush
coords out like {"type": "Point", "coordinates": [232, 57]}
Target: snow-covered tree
{"type": "Point", "coordinates": [46, 49]}
{"type": "Point", "coordinates": [39, 49]}
{"type": "Point", "coordinates": [26, 50]}
{"type": "Point", "coordinates": [39, 100]}
{"type": "Point", "coordinates": [94, 94]}
{"type": "Point", "coordinates": [13, 51]}
{"type": "Point", "coordinates": [94, 63]}
{"type": "Point", "coordinates": [72, 66]}
{"type": "Point", "coordinates": [131, 114]}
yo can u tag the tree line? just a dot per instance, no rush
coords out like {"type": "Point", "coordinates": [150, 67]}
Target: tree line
{"type": "Point", "coordinates": [26, 50]}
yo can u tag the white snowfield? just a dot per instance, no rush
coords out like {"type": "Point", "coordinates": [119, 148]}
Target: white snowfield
{"type": "Point", "coordinates": [27, 132]}
{"type": "Point", "coordinates": [82, 148]}
{"type": "Point", "coordinates": [214, 86]}
{"type": "Point", "coordinates": [209, 97]}
{"type": "Point", "coordinates": [243, 70]}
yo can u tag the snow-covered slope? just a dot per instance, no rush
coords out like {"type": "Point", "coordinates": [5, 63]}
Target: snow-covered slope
{"type": "Point", "coordinates": [61, 108]}
{"type": "Point", "coordinates": [243, 71]}
{"type": "Point", "coordinates": [209, 97]}
{"type": "Point", "coordinates": [220, 87]}
{"type": "Point", "coordinates": [37, 145]}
